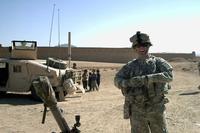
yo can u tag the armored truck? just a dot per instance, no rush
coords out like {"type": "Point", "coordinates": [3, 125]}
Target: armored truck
{"type": "Point", "coordinates": [18, 72]}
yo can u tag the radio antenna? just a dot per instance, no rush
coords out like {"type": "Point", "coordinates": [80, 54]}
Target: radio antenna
{"type": "Point", "coordinates": [59, 37]}
{"type": "Point", "coordinates": [51, 25]}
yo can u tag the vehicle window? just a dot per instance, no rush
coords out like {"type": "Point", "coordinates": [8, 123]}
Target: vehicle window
{"type": "Point", "coordinates": [2, 65]}
{"type": "Point", "coordinates": [25, 45]}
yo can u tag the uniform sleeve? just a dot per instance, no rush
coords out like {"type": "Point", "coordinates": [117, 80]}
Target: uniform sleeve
{"type": "Point", "coordinates": [121, 78]}
{"type": "Point", "coordinates": [164, 72]}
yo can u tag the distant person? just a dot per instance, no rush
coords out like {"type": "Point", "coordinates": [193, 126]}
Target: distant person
{"type": "Point", "coordinates": [94, 81]}
{"type": "Point", "coordinates": [74, 66]}
{"type": "Point", "coordinates": [89, 81]}
{"type": "Point", "coordinates": [98, 78]}
{"type": "Point", "coordinates": [144, 81]}
{"type": "Point", "coordinates": [199, 72]}
{"type": "Point", "coordinates": [85, 79]}
{"type": "Point", "coordinates": [199, 67]}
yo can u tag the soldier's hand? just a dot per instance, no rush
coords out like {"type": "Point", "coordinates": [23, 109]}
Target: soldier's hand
{"type": "Point", "coordinates": [138, 81]}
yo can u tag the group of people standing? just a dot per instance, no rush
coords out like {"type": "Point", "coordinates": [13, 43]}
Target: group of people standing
{"type": "Point", "coordinates": [91, 80]}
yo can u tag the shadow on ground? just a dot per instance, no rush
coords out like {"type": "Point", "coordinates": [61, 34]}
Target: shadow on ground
{"type": "Point", "coordinates": [190, 93]}
{"type": "Point", "coordinates": [17, 99]}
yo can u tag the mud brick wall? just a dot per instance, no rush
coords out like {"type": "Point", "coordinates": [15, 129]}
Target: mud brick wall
{"type": "Point", "coordinates": [4, 52]}
{"type": "Point", "coordinates": [113, 55]}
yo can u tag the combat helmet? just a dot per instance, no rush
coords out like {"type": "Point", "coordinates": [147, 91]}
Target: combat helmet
{"type": "Point", "coordinates": [140, 39]}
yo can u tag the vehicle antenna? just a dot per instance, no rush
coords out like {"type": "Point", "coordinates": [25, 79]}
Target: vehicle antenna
{"type": "Point", "coordinates": [51, 25]}
{"type": "Point", "coordinates": [59, 37]}
{"type": "Point", "coordinates": [51, 28]}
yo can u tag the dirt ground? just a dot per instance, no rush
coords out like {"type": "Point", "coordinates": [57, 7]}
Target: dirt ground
{"type": "Point", "coordinates": [101, 111]}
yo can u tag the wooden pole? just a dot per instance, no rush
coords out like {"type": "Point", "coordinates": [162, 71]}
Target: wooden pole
{"type": "Point", "coordinates": [69, 49]}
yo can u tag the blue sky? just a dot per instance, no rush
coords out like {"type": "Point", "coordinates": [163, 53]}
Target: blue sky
{"type": "Point", "coordinates": [173, 25]}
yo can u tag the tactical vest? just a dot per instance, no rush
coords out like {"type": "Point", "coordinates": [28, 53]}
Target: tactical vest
{"type": "Point", "coordinates": [154, 92]}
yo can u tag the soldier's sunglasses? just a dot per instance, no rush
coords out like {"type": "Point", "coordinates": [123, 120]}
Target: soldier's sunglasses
{"type": "Point", "coordinates": [142, 45]}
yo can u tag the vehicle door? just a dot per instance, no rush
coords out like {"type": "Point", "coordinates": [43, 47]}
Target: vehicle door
{"type": "Point", "coordinates": [3, 75]}
{"type": "Point", "coordinates": [18, 76]}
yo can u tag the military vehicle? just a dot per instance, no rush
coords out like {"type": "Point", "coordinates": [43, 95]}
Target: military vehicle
{"type": "Point", "coordinates": [18, 72]}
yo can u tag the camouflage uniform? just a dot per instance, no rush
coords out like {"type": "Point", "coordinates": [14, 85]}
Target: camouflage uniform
{"type": "Point", "coordinates": [144, 82]}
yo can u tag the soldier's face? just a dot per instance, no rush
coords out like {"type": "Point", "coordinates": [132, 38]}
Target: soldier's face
{"type": "Point", "coordinates": [142, 50]}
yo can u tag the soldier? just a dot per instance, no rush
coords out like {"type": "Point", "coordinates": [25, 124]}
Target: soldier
{"type": "Point", "coordinates": [144, 81]}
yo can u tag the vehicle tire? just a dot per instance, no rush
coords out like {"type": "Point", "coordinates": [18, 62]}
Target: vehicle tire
{"type": "Point", "coordinates": [56, 63]}
{"type": "Point", "coordinates": [34, 94]}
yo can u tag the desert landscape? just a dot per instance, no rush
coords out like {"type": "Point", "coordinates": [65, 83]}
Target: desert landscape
{"type": "Point", "coordinates": [102, 111]}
